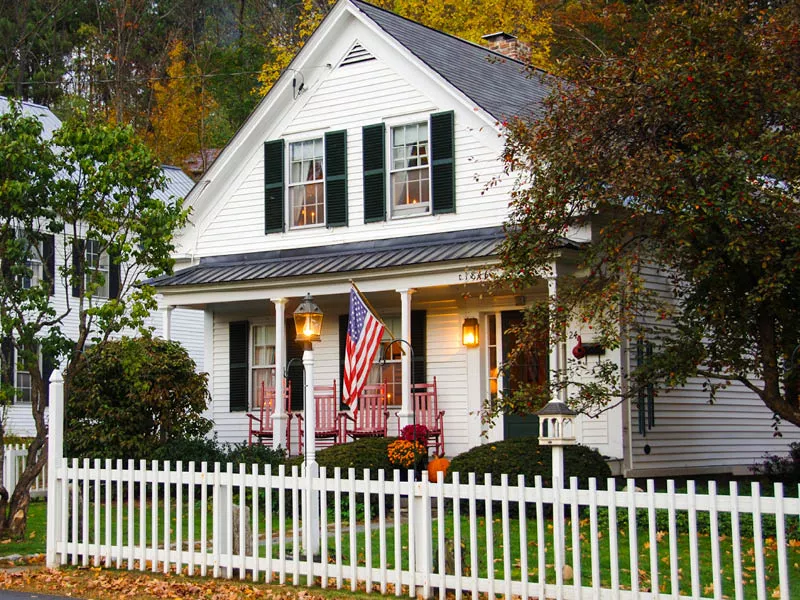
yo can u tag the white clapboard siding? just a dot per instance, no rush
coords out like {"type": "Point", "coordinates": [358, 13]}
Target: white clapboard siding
{"type": "Point", "coordinates": [690, 432]}
{"type": "Point", "coordinates": [348, 99]}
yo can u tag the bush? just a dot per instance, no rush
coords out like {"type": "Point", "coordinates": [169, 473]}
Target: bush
{"type": "Point", "coordinates": [129, 397]}
{"type": "Point", "coordinates": [257, 454]}
{"type": "Point", "coordinates": [784, 469]}
{"type": "Point", "coordinates": [366, 453]}
{"type": "Point", "coordinates": [526, 457]}
{"type": "Point", "coordinates": [199, 450]}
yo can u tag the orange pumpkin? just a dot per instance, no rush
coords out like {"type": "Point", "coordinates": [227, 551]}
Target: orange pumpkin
{"type": "Point", "coordinates": [439, 464]}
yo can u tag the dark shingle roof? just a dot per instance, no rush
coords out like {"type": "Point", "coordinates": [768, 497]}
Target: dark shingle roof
{"type": "Point", "coordinates": [499, 85]}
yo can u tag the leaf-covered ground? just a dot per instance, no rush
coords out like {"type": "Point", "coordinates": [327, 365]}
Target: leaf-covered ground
{"type": "Point", "coordinates": [100, 584]}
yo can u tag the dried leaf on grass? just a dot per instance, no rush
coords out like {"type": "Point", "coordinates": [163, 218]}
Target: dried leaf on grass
{"type": "Point", "coordinates": [100, 584]}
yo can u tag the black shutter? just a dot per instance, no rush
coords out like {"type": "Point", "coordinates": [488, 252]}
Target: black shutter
{"type": "Point", "coordinates": [238, 352]}
{"type": "Point", "coordinates": [419, 372]}
{"type": "Point", "coordinates": [373, 153]}
{"type": "Point", "coordinates": [336, 179]}
{"type": "Point", "coordinates": [294, 349]}
{"type": "Point", "coordinates": [443, 171]}
{"type": "Point", "coordinates": [273, 186]}
{"type": "Point", "coordinates": [48, 366]}
{"type": "Point", "coordinates": [113, 276]}
{"type": "Point", "coordinates": [78, 257]}
{"type": "Point", "coordinates": [344, 320]}
{"type": "Point", "coordinates": [49, 256]}
{"type": "Point", "coordinates": [8, 367]}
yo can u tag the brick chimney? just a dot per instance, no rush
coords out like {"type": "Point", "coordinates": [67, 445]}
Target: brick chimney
{"type": "Point", "coordinates": [508, 45]}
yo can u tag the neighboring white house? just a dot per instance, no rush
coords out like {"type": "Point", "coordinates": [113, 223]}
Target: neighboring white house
{"type": "Point", "coordinates": [186, 326]}
{"type": "Point", "coordinates": [376, 157]}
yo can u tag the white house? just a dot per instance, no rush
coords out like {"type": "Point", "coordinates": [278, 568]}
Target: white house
{"type": "Point", "coordinates": [376, 158]}
{"type": "Point", "coordinates": [186, 326]}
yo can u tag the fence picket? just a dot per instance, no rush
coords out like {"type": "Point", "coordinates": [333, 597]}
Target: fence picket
{"type": "Point", "coordinates": [382, 534]}
{"type": "Point", "coordinates": [541, 548]}
{"type": "Point", "coordinates": [323, 510]}
{"type": "Point", "coordinates": [758, 541]}
{"type": "Point", "coordinates": [204, 519]}
{"type": "Point", "coordinates": [337, 519]}
{"type": "Point", "coordinates": [736, 541]}
{"type": "Point", "coordinates": [242, 549]}
{"type": "Point", "coordinates": [107, 509]}
{"type": "Point", "coordinates": [594, 538]}
{"type": "Point", "coordinates": [179, 517]}
{"type": "Point", "coordinates": [633, 541]}
{"type": "Point", "coordinates": [442, 549]}
{"type": "Point", "coordinates": [255, 491]}
{"type": "Point", "coordinates": [142, 478]}
{"type": "Point", "coordinates": [398, 535]}
{"type": "Point", "coordinates": [95, 475]}
{"type": "Point", "coordinates": [673, 539]}
{"type": "Point", "coordinates": [190, 535]}
{"type": "Point", "coordinates": [154, 518]}
{"type": "Point", "coordinates": [473, 534]}
{"type": "Point", "coordinates": [780, 526]}
{"type": "Point", "coordinates": [457, 550]}
{"type": "Point", "coordinates": [574, 509]}
{"type": "Point", "coordinates": [85, 487]}
{"type": "Point", "coordinates": [693, 549]}
{"type": "Point", "coordinates": [489, 518]}
{"type": "Point", "coordinates": [652, 537]}
{"type": "Point", "coordinates": [351, 527]}
{"type": "Point", "coordinates": [613, 549]}
{"type": "Point", "coordinates": [714, 539]}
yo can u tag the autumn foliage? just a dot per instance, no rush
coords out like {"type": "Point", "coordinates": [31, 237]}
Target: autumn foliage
{"type": "Point", "coordinates": [675, 148]}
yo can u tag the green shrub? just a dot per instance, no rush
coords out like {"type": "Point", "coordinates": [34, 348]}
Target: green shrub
{"type": "Point", "coordinates": [129, 397]}
{"type": "Point", "coordinates": [785, 469]}
{"type": "Point", "coordinates": [257, 454]}
{"type": "Point", "coordinates": [367, 453]}
{"type": "Point", "coordinates": [199, 450]}
{"type": "Point", "coordinates": [526, 457]}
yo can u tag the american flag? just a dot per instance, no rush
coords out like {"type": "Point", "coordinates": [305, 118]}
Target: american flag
{"type": "Point", "coordinates": [364, 333]}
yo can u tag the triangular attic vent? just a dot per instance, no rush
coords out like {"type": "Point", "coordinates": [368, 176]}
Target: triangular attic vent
{"type": "Point", "coordinates": [357, 54]}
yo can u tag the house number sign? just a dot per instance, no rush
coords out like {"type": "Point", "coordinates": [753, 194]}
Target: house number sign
{"type": "Point", "coordinates": [477, 275]}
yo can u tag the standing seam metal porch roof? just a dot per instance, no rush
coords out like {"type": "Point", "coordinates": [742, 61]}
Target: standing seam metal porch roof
{"type": "Point", "coordinates": [341, 258]}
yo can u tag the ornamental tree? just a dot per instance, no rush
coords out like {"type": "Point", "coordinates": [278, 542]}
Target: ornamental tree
{"type": "Point", "coordinates": [679, 151]}
{"type": "Point", "coordinates": [80, 227]}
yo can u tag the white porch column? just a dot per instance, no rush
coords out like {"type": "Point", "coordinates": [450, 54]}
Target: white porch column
{"type": "Point", "coordinates": [406, 414]}
{"type": "Point", "coordinates": [166, 324]}
{"type": "Point", "coordinates": [279, 417]}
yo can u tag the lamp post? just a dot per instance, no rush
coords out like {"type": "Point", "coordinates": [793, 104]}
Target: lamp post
{"type": "Point", "coordinates": [308, 325]}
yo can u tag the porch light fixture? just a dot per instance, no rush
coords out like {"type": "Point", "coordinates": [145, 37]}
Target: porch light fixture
{"type": "Point", "coordinates": [469, 333]}
{"type": "Point", "coordinates": [308, 320]}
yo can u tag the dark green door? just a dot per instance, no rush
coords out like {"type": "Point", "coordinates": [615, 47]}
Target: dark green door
{"type": "Point", "coordinates": [532, 368]}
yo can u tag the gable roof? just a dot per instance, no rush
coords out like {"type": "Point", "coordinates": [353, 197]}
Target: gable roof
{"type": "Point", "coordinates": [49, 121]}
{"type": "Point", "coordinates": [501, 86]}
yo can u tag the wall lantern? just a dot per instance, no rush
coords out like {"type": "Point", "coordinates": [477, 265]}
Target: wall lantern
{"type": "Point", "coordinates": [469, 333]}
{"type": "Point", "coordinates": [308, 320]}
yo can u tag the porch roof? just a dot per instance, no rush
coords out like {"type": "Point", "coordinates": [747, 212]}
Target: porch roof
{"type": "Point", "coordinates": [339, 258]}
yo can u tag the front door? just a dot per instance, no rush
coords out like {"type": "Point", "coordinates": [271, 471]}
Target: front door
{"type": "Point", "coordinates": [531, 368]}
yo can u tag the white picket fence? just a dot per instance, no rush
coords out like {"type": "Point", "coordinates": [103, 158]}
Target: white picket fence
{"type": "Point", "coordinates": [468, 537]}
{"type": "Point", "coordinates": [381, 533]}
{"type": "Point", "coordinates": [16, 458]}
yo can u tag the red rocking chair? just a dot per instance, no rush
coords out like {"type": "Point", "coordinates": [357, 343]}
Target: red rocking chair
{"type": "Point", "coordinates": [370, 416]}
{"type": "Point", "coordinates": [261, 425]}
{"type": "Point", "coordinates": [426, 412]}
{"type": "Point", "coordinates": [329, 417]}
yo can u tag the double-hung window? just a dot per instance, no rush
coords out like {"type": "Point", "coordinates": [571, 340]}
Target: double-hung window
{"type": "Point", "coordinates": [262, 362]}
{"type": "Point", "coordinates": [410, 171]}
{"type": "Point", "coordinates": [33, 261]}
{"type": "Point", "coordinates": [414, 163]}
{"type": "Point", "coordinates": [23, 382]}
{"type": "Point", "coordinates": [306, 183]}
{"type": "Point", "coordinates": [97, 268]}
{"type": "Point", "coordinates": [387, 367]}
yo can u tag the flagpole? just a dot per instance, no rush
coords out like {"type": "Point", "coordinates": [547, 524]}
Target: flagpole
{"type": "Point", "coordinates": [371, 308]}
